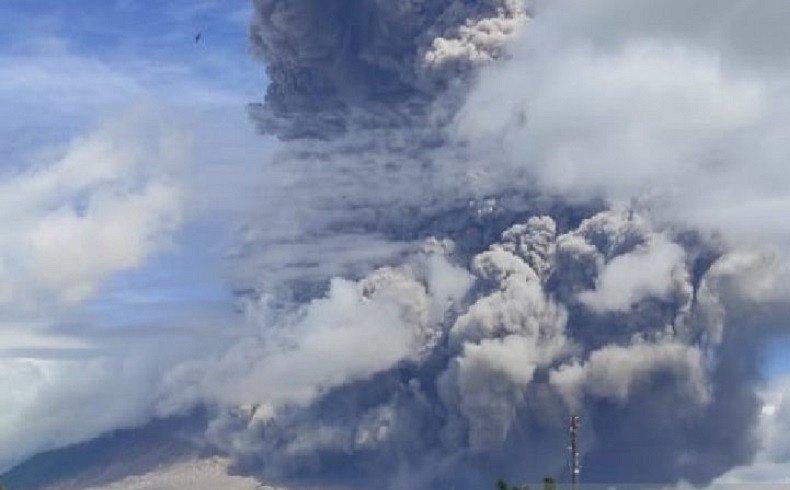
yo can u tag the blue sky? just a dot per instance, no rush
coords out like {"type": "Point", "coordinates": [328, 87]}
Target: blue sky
{"type": "Point", "coordinates": [66, 64]}
{"type": "Point", "coordinates": [778, 358]}
{"type": "Point", "coordinates": [69, 65]}
{"type": "Point", "coordinates": [141, 213]}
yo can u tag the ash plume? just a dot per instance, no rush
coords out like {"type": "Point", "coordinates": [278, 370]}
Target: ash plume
{"type": "Point", "coordinates": [471, 231]}
{"type": "Point", "coordinates": [500, 357]}
{"type": "Point", "coordinates": [338, 66]}
{"type": "Point", "coordinates": [471, 219]}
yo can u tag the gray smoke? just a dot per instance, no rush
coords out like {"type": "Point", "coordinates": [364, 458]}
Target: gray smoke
{"type": "Point", "coordinates": [428, 314]}
{"type": "Point", "coordinates": [363, 94]}
{"type": "Point", "coordinates": [338, 66]}
{"type": "Point", "coordinates": [490, 370]}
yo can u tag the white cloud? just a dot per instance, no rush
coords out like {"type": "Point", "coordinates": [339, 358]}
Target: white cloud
{"type": "Point", "coordinates": [79, 206]}
{"type": "Point", "coordinates": [52, 403]}
{"type": "Point", "coordinates": [632, 101]}
{"type": "Point", "coordinates": [109, 202]}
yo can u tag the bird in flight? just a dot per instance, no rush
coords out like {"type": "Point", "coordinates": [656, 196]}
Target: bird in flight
{"type": "Point", "coordinates": [198, 37]}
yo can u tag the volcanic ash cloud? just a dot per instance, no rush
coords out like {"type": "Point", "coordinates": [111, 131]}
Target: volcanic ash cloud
{"type": "Point", "coordinates": [442, 267]}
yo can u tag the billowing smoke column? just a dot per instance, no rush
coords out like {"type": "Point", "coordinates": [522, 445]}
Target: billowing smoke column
{"type": "Point", "coordinates": [363, 93]}
{"type": "Point", "coordinates": [337, 66]}
{"type": "Point", "coordinates": [474, 318]}
{"type": "Point", "coordinates": [492, 363]}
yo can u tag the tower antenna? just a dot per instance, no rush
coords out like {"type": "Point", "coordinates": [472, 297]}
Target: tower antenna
{"type": "Point", "coordinates": [576, 468]}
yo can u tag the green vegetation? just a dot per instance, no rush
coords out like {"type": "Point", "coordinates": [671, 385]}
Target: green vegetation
{"type": "Point", "coordinates": [502, 484]}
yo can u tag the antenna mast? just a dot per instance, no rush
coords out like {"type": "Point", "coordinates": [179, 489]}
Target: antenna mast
{"type": "Point", "coordinates": [576, 467]}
